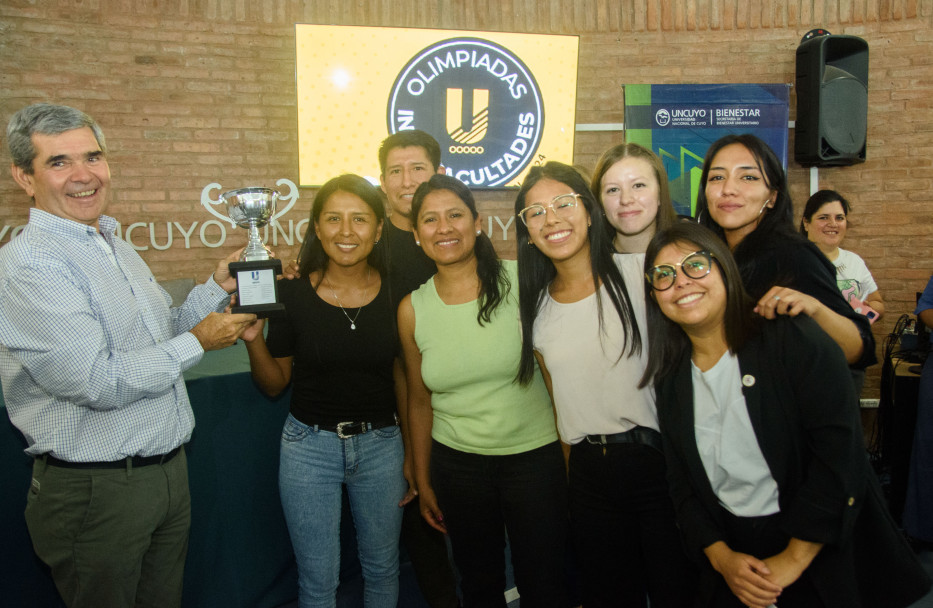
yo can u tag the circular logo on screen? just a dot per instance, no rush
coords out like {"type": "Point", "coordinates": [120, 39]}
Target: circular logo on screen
{"type": "Point", "coordinates": [479, 101]}
{"type": "Point", "coordinates": [662, 117]}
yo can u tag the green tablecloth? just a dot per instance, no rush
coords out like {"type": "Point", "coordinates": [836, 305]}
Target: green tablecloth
{"type": "Point", "coordinates": [239, 553]}
{"type": "Point", "coordinates": [231, 360]}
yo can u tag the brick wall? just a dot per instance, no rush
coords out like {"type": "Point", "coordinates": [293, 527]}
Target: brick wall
{"type": "Point", "coordinates": [195, 92]}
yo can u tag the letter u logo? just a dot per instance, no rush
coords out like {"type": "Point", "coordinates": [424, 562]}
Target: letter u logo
{"type": "Point", "coordinates": [477, 129]}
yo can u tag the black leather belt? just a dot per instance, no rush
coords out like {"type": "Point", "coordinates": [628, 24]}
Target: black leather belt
{"type": "Point", "coordinates": [345, 430]}
{"type": "Point", "coordinates": [134, 461]}
{"type": "Point", "coordinates": [639, 434]}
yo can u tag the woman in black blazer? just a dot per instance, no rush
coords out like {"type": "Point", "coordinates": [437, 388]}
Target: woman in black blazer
{"type": "Point", "coordinates": [773, 491]}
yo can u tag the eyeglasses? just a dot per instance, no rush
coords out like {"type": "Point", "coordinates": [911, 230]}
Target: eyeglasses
{"type": "Point", "coordinates": [695, 265]}
{"type": "Point", "coordinates": [562, 205]}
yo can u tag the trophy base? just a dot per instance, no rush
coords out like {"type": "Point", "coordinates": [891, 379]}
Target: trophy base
{"type": "Point", "coordinates": [257, 289]}
{"type": "Point", "coordinates": [262, 311]}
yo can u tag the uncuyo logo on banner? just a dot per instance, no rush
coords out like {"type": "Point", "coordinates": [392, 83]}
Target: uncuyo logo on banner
{"type": "Point", "coordinates": [479, 100]}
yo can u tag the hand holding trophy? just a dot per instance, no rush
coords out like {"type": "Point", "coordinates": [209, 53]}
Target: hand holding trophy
{"type": "Point", "coordinates": [255, 273]}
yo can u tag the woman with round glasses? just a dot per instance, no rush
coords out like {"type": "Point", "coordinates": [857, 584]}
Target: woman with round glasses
{"type": "Point", "coordinates": [486, 457]}
{"type": "Point", "coordinates": [631, 184]}
{"type": "Point", "coordinates": [581, 308]}
{"type": "Point", "coordinates": [744, 199]}
{"type": "Point", "coordinates": [767, 469]}
{"type": "Point", "coordinates": [825, 222]}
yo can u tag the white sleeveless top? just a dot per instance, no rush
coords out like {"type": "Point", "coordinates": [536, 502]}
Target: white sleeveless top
{"type": "Point", "coordinates": [596, 392]}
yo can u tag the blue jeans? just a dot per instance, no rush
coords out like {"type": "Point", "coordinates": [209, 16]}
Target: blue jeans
{"type": "Point", "coordinates": [314, 465]}
{"type": "Point", "coordinates": [482, 498]}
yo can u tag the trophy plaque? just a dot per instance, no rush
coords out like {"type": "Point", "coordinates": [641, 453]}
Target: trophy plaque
{"type": "Point", "coordinates": [256, 290]}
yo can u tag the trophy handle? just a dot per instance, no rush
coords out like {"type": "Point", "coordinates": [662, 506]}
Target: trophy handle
{"type": "Point", "coordinates": [291, 197]}
{"type": "Point", "coordinates": [208, 203]}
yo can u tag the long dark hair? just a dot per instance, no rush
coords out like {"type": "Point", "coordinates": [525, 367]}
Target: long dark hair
{"type": "Point", "coordinates": [667, 341]}
{"type": "Point", "coordinates": [779, 218]}
{"type": "Point", "coordinates": [311, 257]}
{"type": "Point", "coordinates": [817, 200]}
{"type": "Point", "coordinates": [536, 270]}
{"type": "Point", "coordinates": [494, 284]}
{"type": "Point", "coordinates": [755, 253]}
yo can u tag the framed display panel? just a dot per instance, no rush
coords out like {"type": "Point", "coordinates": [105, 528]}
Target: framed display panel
{"type": "Point", "coordinates": [496, 102]}
{"type": "Point", "coordinates": [679, 122]}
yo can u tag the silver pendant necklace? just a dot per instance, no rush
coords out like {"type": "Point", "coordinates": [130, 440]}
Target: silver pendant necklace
{"type": "Point", "coordinates": [334, 293]}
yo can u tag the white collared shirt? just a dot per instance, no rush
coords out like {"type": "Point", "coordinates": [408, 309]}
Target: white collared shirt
{"type": "Point", "coordinates": [91, 354]}
{"type": "Point", "coordinates": [727, 443]}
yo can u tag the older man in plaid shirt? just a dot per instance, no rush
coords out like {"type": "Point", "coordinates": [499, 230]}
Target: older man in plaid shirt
{"type": "Point", "coordinates": [91, 360]}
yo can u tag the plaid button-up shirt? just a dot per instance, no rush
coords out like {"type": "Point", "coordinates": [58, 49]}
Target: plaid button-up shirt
{"type": "Point", "coordinates": [91, 354]}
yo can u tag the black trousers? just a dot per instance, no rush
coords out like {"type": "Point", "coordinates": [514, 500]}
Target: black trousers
{"type": "Point", "coordinates": [483, 498]}
{"type": "Point", "coordinates": [628, 546]}
{"type": "Point", "coordinates": [427, 550]}
{"type": "Point", "coordinates": [762, 537]}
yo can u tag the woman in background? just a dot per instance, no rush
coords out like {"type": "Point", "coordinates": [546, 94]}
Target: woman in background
{"type": "Point", "coordinates": [486, 457]}
{"type": "Point", "coordinates": [336, 346]}
{"type": "Point", "coordinates": [631, 184]}
{"type": "Point", "coordinates": [744, 200]}
{"type": "Point", "coordinates": [581, 307]}
{"type": "Point", "coordinates": [825, 222]}
{"type": "Point", "coordinates": [767, 468]}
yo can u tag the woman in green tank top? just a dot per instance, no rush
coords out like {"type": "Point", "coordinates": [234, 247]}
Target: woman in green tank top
{"type": "Point", "coordinates": [485, 452]}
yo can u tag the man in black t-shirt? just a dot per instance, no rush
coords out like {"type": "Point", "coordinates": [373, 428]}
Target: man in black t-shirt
{"type": "Point", "coordinates": [406, 160]}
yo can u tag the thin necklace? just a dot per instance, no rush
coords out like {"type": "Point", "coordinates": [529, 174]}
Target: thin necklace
{"type": "Point", "coordinates": [334, 293]}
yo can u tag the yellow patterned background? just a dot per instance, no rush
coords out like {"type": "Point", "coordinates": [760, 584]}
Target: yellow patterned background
{"type": "Point", "coordinates": [345, 75]}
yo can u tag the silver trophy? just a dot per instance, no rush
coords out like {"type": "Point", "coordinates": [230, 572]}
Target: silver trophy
{"type": "Point", "coordinates": [255, 273]}
{"type": "Point", "coordinates": [251, 208]}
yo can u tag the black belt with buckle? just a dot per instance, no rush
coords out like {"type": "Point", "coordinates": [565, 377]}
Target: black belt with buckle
{"type": "Point", "coordinates": [134, 461]}
{"type": "Point", "coordinates": [639, 434]}
{"type": "Point", "coordinates": [345, 430]}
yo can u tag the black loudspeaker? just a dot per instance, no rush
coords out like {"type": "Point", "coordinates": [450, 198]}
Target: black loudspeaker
{"type": "Point", "coordinates": [832, 101]}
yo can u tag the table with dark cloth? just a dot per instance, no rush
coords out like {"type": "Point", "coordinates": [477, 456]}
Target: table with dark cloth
{"type": "Point", "coordinates": [239, 553]}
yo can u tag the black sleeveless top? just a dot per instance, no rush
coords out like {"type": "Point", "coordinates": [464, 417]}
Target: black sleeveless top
{"type": "Point", "coordinates": [339, 374]}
